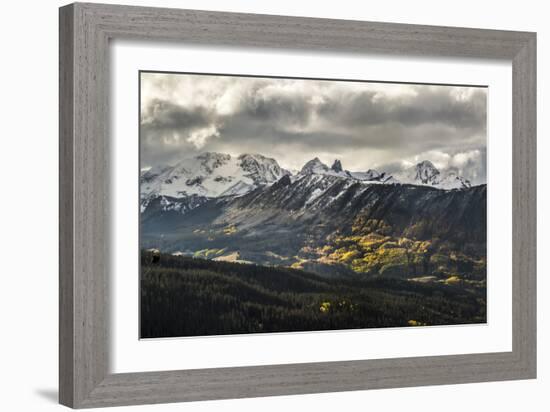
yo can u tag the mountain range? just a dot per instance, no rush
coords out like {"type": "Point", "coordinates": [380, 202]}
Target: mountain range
{"type": "Point", "coordinates": [421, 223]}
{"type": "Point", "coordinates": [211, 175]}
{"type": "Point", "coordinates": [216, 175]}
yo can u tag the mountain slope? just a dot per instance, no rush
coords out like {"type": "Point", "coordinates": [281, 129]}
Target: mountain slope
{"type": "Point", "coordinates": [189, 297]}
{"type": "Point", "coordinates": [332, 224]}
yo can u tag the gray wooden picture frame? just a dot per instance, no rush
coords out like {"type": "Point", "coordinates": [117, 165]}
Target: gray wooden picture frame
{"type": "Point", "coordinates": [85, 32]}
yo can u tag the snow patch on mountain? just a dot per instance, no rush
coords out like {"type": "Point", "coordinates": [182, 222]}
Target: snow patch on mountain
{"type": "Point", "coordinates": [238, 189]}
{"type": "Point", "coordinates": [171, 204]}
{"type": "Point", "coordinates": [368, 175]}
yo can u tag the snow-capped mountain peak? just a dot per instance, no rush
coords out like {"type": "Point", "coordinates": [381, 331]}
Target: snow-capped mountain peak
{"type": "Point", "coordinates": [314, 166]}
{"type": "Point", "coordinates": [425, 173]}
{"type": "Point", "coordinates": [452, 180]}
{"type": "Point", "coordinates": [211, 174]}
{"type": "Point", "coordinates": [317, 167]}
{"type": "Point", "coordinates": [262, 170]}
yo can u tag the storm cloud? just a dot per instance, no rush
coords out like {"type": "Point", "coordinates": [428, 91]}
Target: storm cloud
{"type": "Point", "coordinates": [387, 126]}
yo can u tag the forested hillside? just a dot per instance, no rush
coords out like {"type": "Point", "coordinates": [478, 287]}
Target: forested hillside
{"type": "Point", "coordinates": [183, 296]}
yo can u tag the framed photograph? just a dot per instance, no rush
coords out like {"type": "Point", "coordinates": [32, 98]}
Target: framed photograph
{"type": "Point", "coordinates": [257, 205]}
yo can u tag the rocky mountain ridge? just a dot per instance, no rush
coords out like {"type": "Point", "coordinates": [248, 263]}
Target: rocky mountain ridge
{"type": "Point", "coordinates": [213, 175]}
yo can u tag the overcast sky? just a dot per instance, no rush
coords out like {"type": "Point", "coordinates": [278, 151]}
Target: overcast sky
{"type": "Point", "coordinates": [366, 125]}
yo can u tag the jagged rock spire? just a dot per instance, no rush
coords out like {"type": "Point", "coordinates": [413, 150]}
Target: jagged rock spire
{"type": "Point", "coordinates": [337, 166]}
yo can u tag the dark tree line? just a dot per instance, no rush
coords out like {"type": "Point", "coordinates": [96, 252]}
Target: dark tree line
{"type": "Point", "coordinates": [183, 296]}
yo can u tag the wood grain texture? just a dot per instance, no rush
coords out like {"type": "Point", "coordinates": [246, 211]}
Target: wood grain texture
{"type": "Point", "coordinates": [66, 108]}
{"type": "Point", "coordinates": [85, 31]}
{"type": "Point", "coordinates": [524, 225]}
{"type": "Point", "coordinates": [84, 90]}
